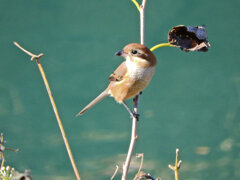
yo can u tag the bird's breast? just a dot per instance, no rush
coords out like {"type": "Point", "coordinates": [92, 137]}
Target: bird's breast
{"type": "Point", "coordinates": [137, 77]}
{"type": "Point", "coordinates": [139, 69]}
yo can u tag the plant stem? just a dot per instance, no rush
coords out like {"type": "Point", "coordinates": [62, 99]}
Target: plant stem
{"type": "Point", "coordinates": [136, 4]}
{"type": "Point", "coordinates": [161, 45]}
{"type": "Point", "coordinates": [36, 57]}
{"type": "Point", "coordinates": [142, 21]}
{"type": "Point", "coordinates": [58, 120]}
{"type": "Point", "coordinates": [115, 173]}
{"type": "Point", "coordinates": [130, 150]}
{"type": "Point", "coordinates": [177, 165]}
{"type": "Point", "coordinates": [136, 101]}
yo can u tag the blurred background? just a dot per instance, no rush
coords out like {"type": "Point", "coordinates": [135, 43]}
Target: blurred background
{"type": "Point", "coordinates": [192, 103]}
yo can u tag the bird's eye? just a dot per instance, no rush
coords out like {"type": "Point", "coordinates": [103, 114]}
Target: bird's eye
{"type": "Point", "coordinates": [134, 51]}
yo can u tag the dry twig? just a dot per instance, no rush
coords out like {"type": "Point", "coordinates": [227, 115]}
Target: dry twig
{"type": "Point", "coordinates": [115, 172]}
{"type": "Point", "coordinates": [177, 166]}
{"type": "Point", "coordinates": [141, 155]}
{"type": "Point", "coordinates": [37, 57]}
{"type": "Point", "coordinates": [3, 148]}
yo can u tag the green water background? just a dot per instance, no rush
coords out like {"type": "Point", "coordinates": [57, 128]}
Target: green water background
{"type": "Point", "coordinates": [192, 103]}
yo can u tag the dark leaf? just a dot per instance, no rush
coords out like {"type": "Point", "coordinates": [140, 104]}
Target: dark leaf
{"type": "Point", "coordinates": [189, 38]}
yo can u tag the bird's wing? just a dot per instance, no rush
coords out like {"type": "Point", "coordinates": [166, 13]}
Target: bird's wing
{"type": "Point", "coordinates": [119, 73]}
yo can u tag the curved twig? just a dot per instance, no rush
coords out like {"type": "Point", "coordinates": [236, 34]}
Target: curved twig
{"type": "Point", "coordinates": [115, 172]}
{"type": "Point", "coordinates": [141, 155]}
{"type": "Point", "coordinates": [162, 45]}
{"type": "Point", "coordinates": [136, 4]}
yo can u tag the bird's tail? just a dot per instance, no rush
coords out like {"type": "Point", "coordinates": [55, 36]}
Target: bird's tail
{"type": "Point", "coordinates": [95, 101]}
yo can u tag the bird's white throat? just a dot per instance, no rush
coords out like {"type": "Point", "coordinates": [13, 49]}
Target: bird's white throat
{"type": "Point", "coordinates": [137, 72]}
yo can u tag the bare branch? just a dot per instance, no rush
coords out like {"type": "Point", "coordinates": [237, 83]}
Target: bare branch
{"type": "Point", "coordinates": [2, 149]}
{"type": "Point", "coordinates": [130, 150]}
{"type": "Point", "coordinates": [142, 21]}
{"type": "Point", "coordinates": [36, 57]}
{"type": "Point", "coordinates": [115, 172]}
{"type": "Point", "coordinates": [135, 101]}
{"type": "Point", "coordinates": [141, 155]}
{"type": "Point", "coordinates": [10, 149]}
{"type": "Point", "coordinates": [177, 166]}
{"type": "Point", "coordinates": [3, 159]}
{"type": "Point", "coordinates": [33, 56]}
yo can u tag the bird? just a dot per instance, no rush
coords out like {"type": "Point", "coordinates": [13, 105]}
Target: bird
{"type": "Point", "coordinates": [130, 78]}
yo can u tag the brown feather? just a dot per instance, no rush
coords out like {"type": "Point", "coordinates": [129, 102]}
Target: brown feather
{"type": "Point", "coordinates": [94, 102]}
{"type": "Point", "coordinates": [118, 73]}
{"type": "Point", "coordinates": [131, 77]}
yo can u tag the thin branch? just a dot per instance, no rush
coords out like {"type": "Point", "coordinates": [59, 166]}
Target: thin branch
{"type": "Point", "coordinates": [142, 21]}
{"type": "Point", "coordinates": [115, 172]}
{"type": "Point", "coordinates": [33, 56]}
{"type": "Point", "coordinates": [131, 147]}
{"type": "Point", "coordinates": [2, 149]}
{"type": "Point", "coordinates": [177, 166]}
{"type": "Point", "coordinates": [10, 149]}
{"type": "Point", "coordinates": [3, 160]}
{"type": "Point", "coordinates": [141, 155]}
{"type": "Point", "coordinates": [37, 57]}
{"type": "Point", "coordinates": [1, 138]}
{"type": "Point", "coordinates": [136, 102]}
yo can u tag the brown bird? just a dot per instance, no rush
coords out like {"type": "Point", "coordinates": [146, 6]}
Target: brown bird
{"type": "Point", "coordinates": [131, 77]}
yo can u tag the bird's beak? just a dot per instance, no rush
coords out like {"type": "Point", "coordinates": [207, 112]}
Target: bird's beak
{"type": "Point", "coordinates": [120, 53]}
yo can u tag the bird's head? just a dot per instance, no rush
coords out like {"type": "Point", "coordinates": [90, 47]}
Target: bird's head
{"type": "Point", "coordinates": [138, 52]}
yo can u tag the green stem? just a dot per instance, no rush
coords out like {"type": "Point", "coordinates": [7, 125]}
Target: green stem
{"type": "Point", "coordinates": [136, 4]}
{"type": "Point", "coordinates": [162, 45]}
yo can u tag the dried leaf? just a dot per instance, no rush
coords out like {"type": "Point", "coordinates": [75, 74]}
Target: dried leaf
{"type": "Point", "coordinates": [189, 38]}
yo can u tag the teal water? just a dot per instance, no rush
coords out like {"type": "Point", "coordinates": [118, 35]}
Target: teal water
{"type": "Point", "coordinates": [192, 103]}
